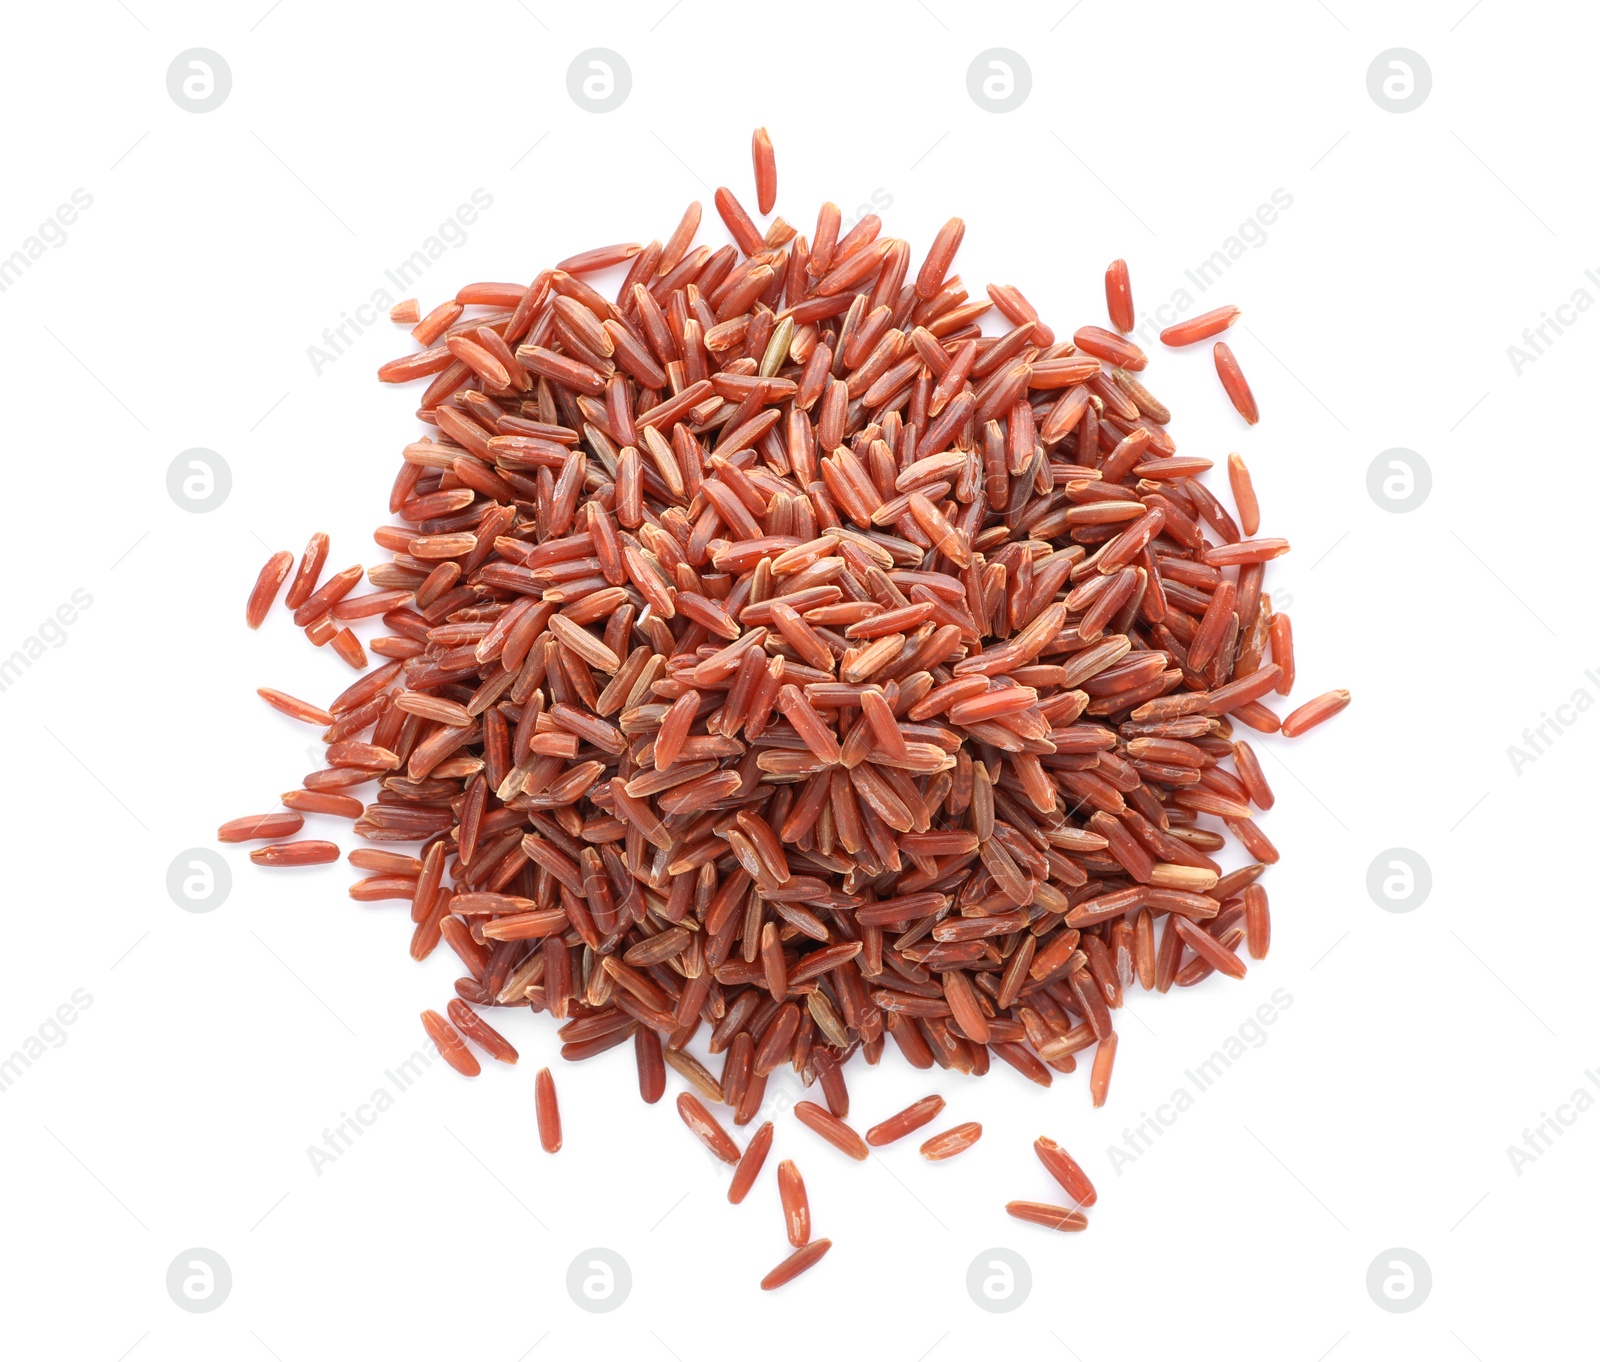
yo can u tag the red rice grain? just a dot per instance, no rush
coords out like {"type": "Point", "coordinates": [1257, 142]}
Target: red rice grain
{"type": "Point", "coordinates": [1065, 1170]}
{"type": "Point", "coordinates": [931, 277]}
{"type": "Point", "coordinates": [947, 1144]}
{"type": "Point", "coordinates": [450, 1045]}
{"type": "Point", "coordinates": [492, 1043]}
{"type": "Point", "coordinates": [902, 1123]}
{"type": "Point", "coordinates": [1314, 712]}
{"type": "Point", "coordinates": [831, 1128]}
{"type": "Point", "coordinates": [265, 590]}
{"type": "Point", "coordinates": [1051, 1217]}
{"type": "Point", "coordinates": [295, 709]}
{"type": "Point", "coordinates": [296, 853]}
{"type": "Point", "coordinates": [1233, 383]}
{"type": "Point", "coordinates": [707, 1129]}
{"type": "Point", "coordinates": [546, 1111]}
{"type": "Point", "coordinates": [1257, 922]}
{"type": "Point", "coordinates": [329, 594]}
{"type": "Point", "coordinates": [788, 655]}
{"type": "Point", "coordinates": [259, 827]}
{"type": "Point", "coordinates": [1251, 776]}
{"type": "Point", "coordinates": [1281, 635]}
{"type": "Point", "coordinates": [378, 888]}
{"type": "Point", "coordinates": [1200, 328]}
{"type": "Point", "coordinates": [749, 1165]}
{"type": "Point", "coordinates": [1244, 495]}
{"type": "Point", "coordinates": [348, 646]}
{"type": "Point", "coordinates": [312, 801]}
{"type": "Point", "coordinates": [437, 322]}
{"type": "Point", "coordinates": [1119, 296]}
{"type": "Point", "coordinates": [385, 862]}
{"type": "Point", "coordinates": [306, 575]}
{"type": "Point", "coordinates": [796, 1209]}
{"type": "Point", "coordinates": [1105, 1053]}
{"type": "Point", "coordinates": [766, 167]}
{"type": "Point", "coordinates": [586, 262]}
{"type": "Point", "coordinates": [796, 1263]}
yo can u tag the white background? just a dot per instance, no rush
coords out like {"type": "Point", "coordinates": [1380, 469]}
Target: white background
{"type": "Point", "coordinates": [1377, 314]}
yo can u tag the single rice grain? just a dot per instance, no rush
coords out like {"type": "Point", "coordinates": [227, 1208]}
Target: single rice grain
{"type": "Point", "coordinates": [296, 853]}
{"type": "Point", "coordinates": [1119, 296]}
{"type": "Point", "coordinates": [902, 1123]}
{"type": "Point", "coordinates": [1233, 383]}
{"type": "Point", "coordinates": [947, 1144]}
{"type": "Point", "coordinates": [1051, 1217]}
{"type": "Point", "coordinates": [1314, 712]}
{"type": "Point", "coordinates": [796, 1209]}
{"type": "Point", "coordinates": [265, 591]}
{"type": "Point", "coordinates": [450, 1045]}
{"type": "Point", "coordinates": [797, 1262]}
{"type": "Point", "coordinates": [547, 1113]}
